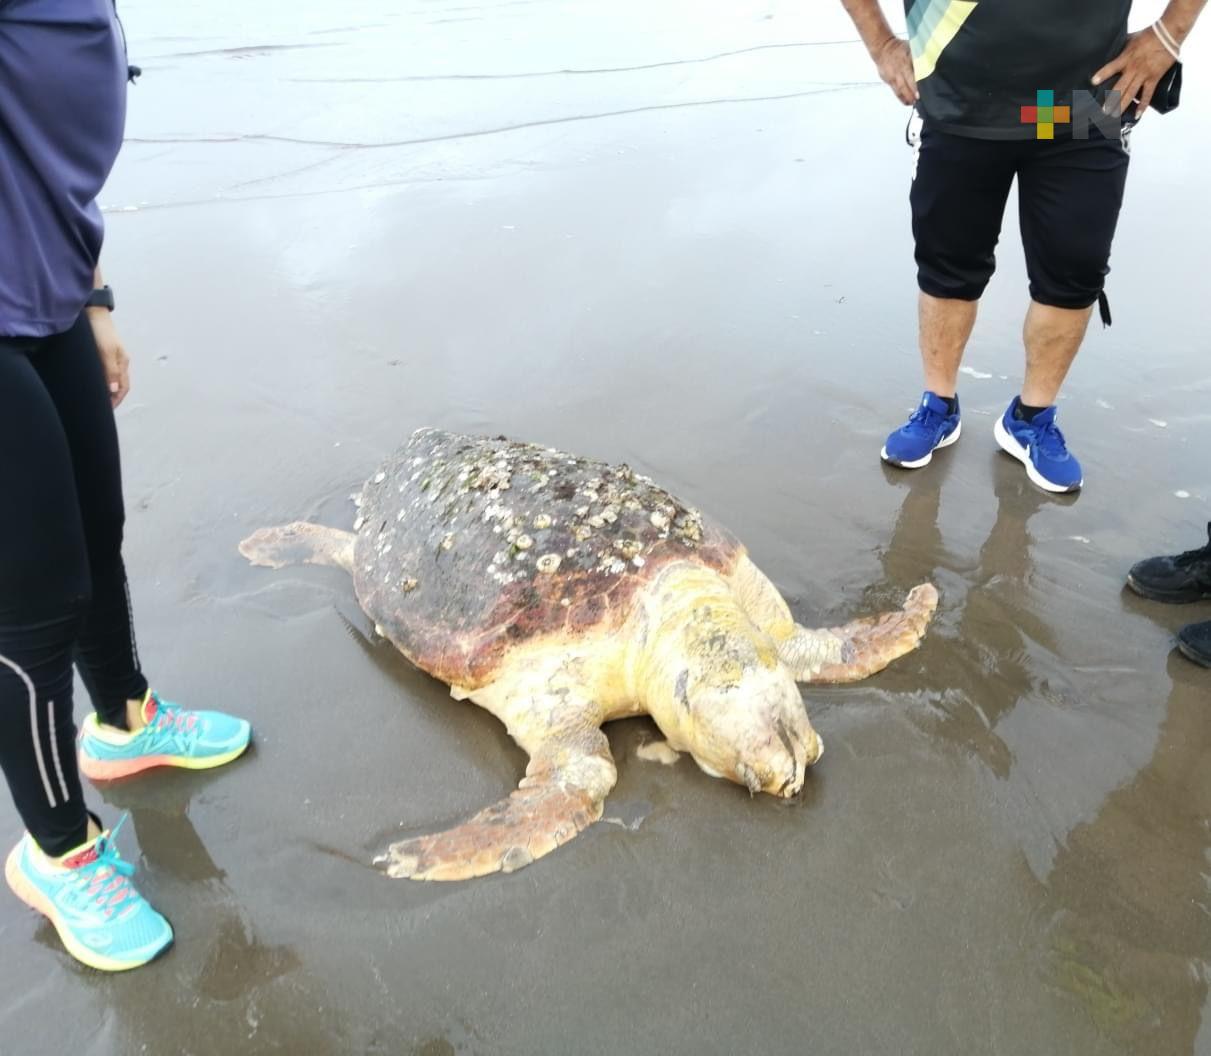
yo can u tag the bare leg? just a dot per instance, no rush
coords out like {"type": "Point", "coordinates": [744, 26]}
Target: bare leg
{"type": "Point", "coordinates": [94, 830]}
{"type": "Point", "coordinates": [134, 715]}
{"type": "Point", "coordinates": [945, 327]}
{"type": "Point", "coordinates": [1052, 337]}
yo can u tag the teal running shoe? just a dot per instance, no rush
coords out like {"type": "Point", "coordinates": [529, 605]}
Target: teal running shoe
{"type": "Point", "coordinates": [173, 736]}
{"type": "Point", "coordinates": [100, 917]}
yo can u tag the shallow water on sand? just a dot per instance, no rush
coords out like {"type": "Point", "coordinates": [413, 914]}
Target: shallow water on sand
{"type": "Point", "coordinates": [673, 235]}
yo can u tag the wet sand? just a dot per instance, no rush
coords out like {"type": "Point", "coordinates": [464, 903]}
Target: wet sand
{"type": "Point", "coordinates": [677, 238]}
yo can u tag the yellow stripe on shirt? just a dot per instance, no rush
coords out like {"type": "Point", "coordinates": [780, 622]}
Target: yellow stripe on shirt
{"type": "Point", "coordinates": [924, 63]}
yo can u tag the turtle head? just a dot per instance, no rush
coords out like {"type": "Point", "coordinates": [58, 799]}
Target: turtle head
{"type": "Point", "coordinates": [753, 730]}
{"type": "Point", "coordinates": [718, 689]}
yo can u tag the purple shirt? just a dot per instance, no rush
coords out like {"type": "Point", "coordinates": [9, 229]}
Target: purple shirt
{"type": "Point", "coordinates": [62, 114]}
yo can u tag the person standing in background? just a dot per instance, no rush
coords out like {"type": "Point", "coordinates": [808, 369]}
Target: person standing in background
{"type": "Point", "coordinates": [63, 588]}
{"type": "Point", "coordinates": [977, 70]}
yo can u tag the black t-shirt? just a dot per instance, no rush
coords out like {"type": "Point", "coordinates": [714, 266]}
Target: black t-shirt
{"type": "Point", "coordinates": [979, 62]}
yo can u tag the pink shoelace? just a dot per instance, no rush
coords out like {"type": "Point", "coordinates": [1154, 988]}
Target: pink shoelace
{"type": "Point", "coordinates": [167, 718]}
{"type": "Point", "coordinates": [103, 878]}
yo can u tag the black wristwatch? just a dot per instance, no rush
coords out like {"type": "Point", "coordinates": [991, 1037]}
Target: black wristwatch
{"type": "Point", "coordinates": [102, 298]}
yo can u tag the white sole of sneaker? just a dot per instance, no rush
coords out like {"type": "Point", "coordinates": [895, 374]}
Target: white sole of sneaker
{"type": "Point", "coordinates": [952, 439]}
{"type": "Point", "coordinates": [1007, 443]}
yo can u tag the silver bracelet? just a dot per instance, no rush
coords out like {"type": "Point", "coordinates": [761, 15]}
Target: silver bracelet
{"type": "Point", "coordinates": [1167, 41]}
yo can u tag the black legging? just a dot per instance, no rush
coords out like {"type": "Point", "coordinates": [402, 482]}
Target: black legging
{"type": "Point", "coordinates": [63, 591]}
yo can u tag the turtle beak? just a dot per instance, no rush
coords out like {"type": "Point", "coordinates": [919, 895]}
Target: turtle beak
{"type": "Point", "coordinates": [807, 752]}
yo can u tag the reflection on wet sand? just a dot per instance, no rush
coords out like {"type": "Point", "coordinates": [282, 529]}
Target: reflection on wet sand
{"type": "Point", "coordinates": [236, 961]}
{"type": "Point", "coordinates": [725, 294]}
{"type": "Point", "coordinates": [999, 624]}
{"type": "Point", "coordinates": [242, 978]}
{"type": "Point", "coordinates": [1128, 897]}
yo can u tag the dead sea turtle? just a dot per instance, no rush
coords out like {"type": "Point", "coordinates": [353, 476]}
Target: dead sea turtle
{"type": "Point", "coordinates": [560, 593]}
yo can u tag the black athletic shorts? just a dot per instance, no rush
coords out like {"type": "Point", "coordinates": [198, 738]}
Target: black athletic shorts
{"type": "Point", "coordinates": [1069, 194]}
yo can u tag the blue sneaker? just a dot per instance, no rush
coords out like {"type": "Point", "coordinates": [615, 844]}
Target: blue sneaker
{"type": "Point", "coordinates": [1040, 447]}
{"type": "Point", "coordinates": [930, 427]}
{"type": "Point", "coordinates": [196, 740]}
{"type": "Point", "coordinates": [103, 921]}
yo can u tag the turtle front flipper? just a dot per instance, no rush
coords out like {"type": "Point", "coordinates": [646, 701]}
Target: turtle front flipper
{"type": "Point", "coordinates": [833, 654]}
{"type": "Point", "coordinates": [298, 544]}
{"type": "Point", "coordinates": [570, 774]}
{"type": "Point", "coordinates": [860, 648]}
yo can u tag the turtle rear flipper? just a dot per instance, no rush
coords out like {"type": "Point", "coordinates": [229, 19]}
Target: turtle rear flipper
{"type": "Point", "coordinates": [562, 793]}
{"type": "Point", "coordinates": [860, 648]}
{"type": "Point", "coordinates": [300, 543]}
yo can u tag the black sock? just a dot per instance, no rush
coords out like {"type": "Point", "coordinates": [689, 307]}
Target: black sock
{"type": "Point", "coordinates": [952, 403]}
{"type": "Point", "coordinates": [1025, 413]}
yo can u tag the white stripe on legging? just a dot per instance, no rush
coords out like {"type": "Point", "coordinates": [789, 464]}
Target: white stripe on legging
{"type": "Point", "coordinates": [33, 725]}
{"type": "Point", "coordinates": [54, 750]}
{"type": "Point", "coordinates": [130, 616]}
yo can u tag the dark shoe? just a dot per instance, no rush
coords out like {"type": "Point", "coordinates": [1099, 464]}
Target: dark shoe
{"type": "Point", "coordinates": [1184, 577]}
{"type": "Point", "coordinates": [1195, 642]}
